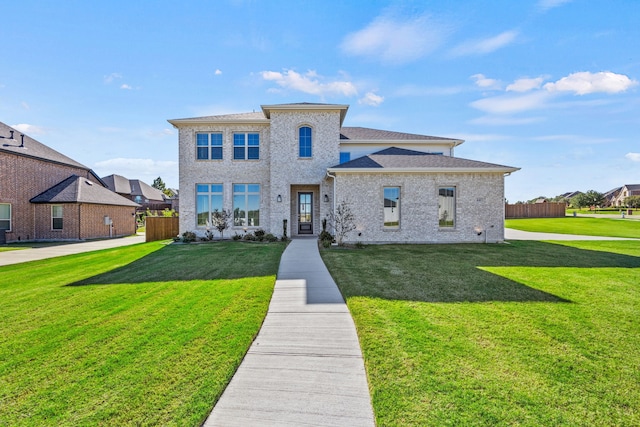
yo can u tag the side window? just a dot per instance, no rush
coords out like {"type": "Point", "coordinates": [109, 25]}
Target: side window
{"type": "Point", "coordinates": [391, 207]}
{"type": "Point", "coordinates": [5, 216]}
{"type": "Point", "coordinates": [304, 142]}
{"type": "Point", "coordinates": [447, 207]}
{"type": "Point", "coordinates": [56, 217]}
{"type": "Point", "coordinates": [208, 199]}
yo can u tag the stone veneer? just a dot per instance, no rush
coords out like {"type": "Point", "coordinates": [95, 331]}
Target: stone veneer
{"type": "Point", "coordinates": [479, 203]}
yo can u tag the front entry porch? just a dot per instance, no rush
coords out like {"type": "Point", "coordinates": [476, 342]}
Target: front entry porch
{"type": "Point", "coordinates": [305, 210]}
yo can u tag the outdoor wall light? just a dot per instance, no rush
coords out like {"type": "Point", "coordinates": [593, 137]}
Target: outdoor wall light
{"type": "Point", "coordinates": [279, 199]}
{"type": "Point", "coordinates": [478, 230]}
{"type": "Point", "coordinates": [12, 139]}
{"type": "Point", "coordinates": [326, 198]}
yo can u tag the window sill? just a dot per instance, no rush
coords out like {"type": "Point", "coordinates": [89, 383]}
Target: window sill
{"type": "Point", "coordinates": [385, 229]}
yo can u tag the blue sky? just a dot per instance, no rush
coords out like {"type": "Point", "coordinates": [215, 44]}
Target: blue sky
{"type": "Point", "coordinates": [550, 86]}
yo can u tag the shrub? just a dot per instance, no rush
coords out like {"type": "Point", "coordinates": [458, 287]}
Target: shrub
{"type": "Point", "coordinates": [325, 235]}
{"type": "Point", "coordinates": [188, 237]}
{"type": "Point", "coordinates": [270, 238]}
{"type": "Point", "coordinates": [359, 245]}
{"type": "Point", "coordinates": [259, 233]}
{"type": "Point", "coordinates": [237, 237]}
{"type": "Point", "coordinates": [326, 243]}
{"type": "Point", "coordinates": [284, 238]}
{"type": "Point", "coordinates": [249, 237]}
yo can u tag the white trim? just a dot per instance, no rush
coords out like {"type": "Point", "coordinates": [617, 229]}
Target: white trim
{"type": "Point", "coordinates": [422, 170]}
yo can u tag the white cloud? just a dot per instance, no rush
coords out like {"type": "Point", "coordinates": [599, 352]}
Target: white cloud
{"type": "Point", "coordinates": [550, 4]}
{"type": "Point", "coordinates": [635, 157]}
{"type": "Point", "coordinates": [310, 83]}
{"type": "Point", "coordinates": [125, 86]}
{"type": "Point", "coordinates": [396, 40]}
{"type": "Point", "coordinates": [525, 84]}
{"type": "Point", "coordinates": [508, 104]}
{"type": "Point", "coordinates": [25, 105]}
{"type": "Point", "coordinates": [583, 83]}
{"type": "Point", "coordinates": [111, 77]}
{"type": "Point", "coordinates": [371, 99]}
{"type": "Point", "coordinates": [144, 169]}
{"type": "Point", "coordinates": [485, 83]}
{"type": "Point", "coordinates": [30, 129]}
{"type": "Point", "coordinates": [505, 121]}
{"type": "Point", "coordinates": [484, 46]}
{"type": "Point", "coordinates": [217, 72]}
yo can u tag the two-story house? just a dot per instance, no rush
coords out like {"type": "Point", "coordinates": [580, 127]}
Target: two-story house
{"type": "Point", "coordinates": [289, 165]}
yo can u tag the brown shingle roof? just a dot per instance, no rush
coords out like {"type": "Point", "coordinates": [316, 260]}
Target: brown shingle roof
{"type": "Point", "coordinates": [76, 189]}
{"type": "Point", "coordinates": [368, 134]}
{"type": "Point", "coordinates": [399, 159]}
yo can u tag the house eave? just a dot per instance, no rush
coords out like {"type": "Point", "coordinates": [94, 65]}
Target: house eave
{"type": "Point", "coordinates": [422, 170]}
{"type": "Point", "coordinates": [266, 109]}
{"type": "Point", "coordinates": [177, 123]}
{"type": "Point", "coordinates": [448, 142]}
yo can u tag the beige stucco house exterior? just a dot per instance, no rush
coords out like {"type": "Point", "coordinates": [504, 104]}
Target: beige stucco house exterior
{"type": "Point", "coordinates": [289, 166]}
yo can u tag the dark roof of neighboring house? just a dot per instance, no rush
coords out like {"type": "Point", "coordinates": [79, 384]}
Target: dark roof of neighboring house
{"type": "Point", "coordinates": [133, 187]}
{"type": "Point", "coordinates": [402, 159]}
{"type": "Point", "coordinates": [360, 133]}
{"type": "Point", "coordinates": [570, 194]}
{"type": "Point", "coordinates": [633, 187]}
{"type": "Point", "coordinates": [76, 189]}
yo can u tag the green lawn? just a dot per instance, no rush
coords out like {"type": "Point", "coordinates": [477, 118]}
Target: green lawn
{"type": "Point", "coordinates": [143, 335]}
{"type": "Point", "coordinates": [579, 225]}
{"type": "Point", "coordinates": [527, 333]}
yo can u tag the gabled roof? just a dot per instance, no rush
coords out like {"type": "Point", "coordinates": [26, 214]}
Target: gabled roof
{"type": "Point", "coordinates": [133, 187]}
{"type": "Point", "coordinates": [254, 117]}
{"type": "Point", "coordinates": [76, 189]}
{"type": "Point", "coordinates": [632, 187]}
{"type": "Point", "coordinates": [33, 148]}
{"type": "Point", "coordinates": [395, 159]}
{"type": "Point", "coordinates": [357, 134]}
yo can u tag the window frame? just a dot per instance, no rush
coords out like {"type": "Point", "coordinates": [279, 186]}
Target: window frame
{"type": "Point", "coordinates": [60, 218]}
{"type": "Point", "coordinates": [211, 146]}
{"type": "Point", "coordinates": [344, 154]}
{"type": "Point", "coordinates": [306, 138]}
{"type": "Point", "coordinates": [214, 190]}
{"type": "Point", "coordinates": [391, 225]}
{"type": "Point", "coordinates": [246, 193]}
{"type": "Point", "coordinates": [249, 146]}
{"type": "Point", "coordinates": [443, 223]}
{"type": "Point", "coordinates": [8, 230]}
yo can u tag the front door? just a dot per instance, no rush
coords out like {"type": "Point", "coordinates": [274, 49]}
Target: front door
{"type": "Point", "coordinates": [305, 213]}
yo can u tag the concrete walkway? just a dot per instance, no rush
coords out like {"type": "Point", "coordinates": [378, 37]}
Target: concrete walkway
{"type": "Point", "coordinates": [25, 255]}
{"type": "Point", "coordinates": [305, 367]}
{"type": "Point", "coordinates": [511, 234]}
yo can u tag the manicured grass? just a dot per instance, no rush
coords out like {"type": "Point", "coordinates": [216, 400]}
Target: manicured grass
{"type": "Point", "coordinates": [586, 226]}
{"type": "Point", "coordinates": [143, 335]}
{"type": "Point", "coordinates": [528, 333]}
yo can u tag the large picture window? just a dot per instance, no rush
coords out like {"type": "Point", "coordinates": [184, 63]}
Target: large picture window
{"type": "Point", "coordinates": [392, 207]}
{"type": "Point", "coordinates": [56, 217]}
{"type": "Point", "coordinates": [246, 146]}
{"type": "Point", "coordinates": [5, 216]}
{"type": "Point", "coordinates": [304, 141]}
{"type": "Point", "coordinates": [209, 146]}
{"type": "Point", "coordinates": [208, 199]}
{"type": "Point", "coordinates": [246, 205]}
{"type": "Point", "coordinates": [447, 206]}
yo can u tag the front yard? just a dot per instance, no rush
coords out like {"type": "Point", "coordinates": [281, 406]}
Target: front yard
{"type": "Point", "coordinates": [143, 335]}
{"type": "Point", "coordinates": [579, 225]}
{"type": "Point", "coordinates": [527, 333]}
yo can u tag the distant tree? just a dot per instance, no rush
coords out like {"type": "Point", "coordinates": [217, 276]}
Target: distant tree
{"type": "Point", "coordinates": [159, 184]}
{"type": "Point", "coordinates": [632, 201]}
{"type": "Point", "coordinates": [590, 198]}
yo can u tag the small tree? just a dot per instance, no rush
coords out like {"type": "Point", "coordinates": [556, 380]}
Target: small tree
{"type": "Point", "coordinates": [632, 201]}
{"type": "Point", "coordinates": [590, 198]}
{"type": "Point", "coordinates": [221, 220]}
{"type": "Point", "coordinates": [343, 221]}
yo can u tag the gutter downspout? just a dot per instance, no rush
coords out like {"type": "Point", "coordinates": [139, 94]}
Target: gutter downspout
{"type": "Point", "coordinates": [333, 198]}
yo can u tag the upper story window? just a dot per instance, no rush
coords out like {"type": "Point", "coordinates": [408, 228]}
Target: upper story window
{"type": "Point", "coordinates": [5, 216]}
{"type": "Point", "coordinates": [246, 146]}
{"type": "Point", "coordinates": [209, 146]}
{"type": "Point", "coordinates": [304, 141]}
{"type": "Point", "coordinates": [345, 157]}
{"type": "Point", "coordinates": [56, 217]}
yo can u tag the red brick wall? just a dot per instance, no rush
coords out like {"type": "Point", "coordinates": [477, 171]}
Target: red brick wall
{"type": "Point", "coordinates": [92, 225]}
{"type": "Point", "coordinates": [22, 178]}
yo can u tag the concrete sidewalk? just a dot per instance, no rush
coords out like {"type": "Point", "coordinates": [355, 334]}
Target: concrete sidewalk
{"type": "Point", "coordinates": [25, 255]}
{"type": "Point", "coordinates": [512, 234]}
{"type": "Point", "coordinates": [305, 367]}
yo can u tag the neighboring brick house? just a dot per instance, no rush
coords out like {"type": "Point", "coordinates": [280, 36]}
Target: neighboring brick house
{"type": "Point", "coordinates": [137, 191]}
{"type": "Point", "coordinates": [622, 193]}
{"type": "Point", "coordinates": [43, 196]}
{"type": "Point", "coordinates": [295, 163]}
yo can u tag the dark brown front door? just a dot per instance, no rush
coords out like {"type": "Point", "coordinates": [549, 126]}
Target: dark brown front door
{"type": "Point", "coordinates": [305, 213]}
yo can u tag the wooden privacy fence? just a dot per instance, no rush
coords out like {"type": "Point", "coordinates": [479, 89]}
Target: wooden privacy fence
{"type": "Point", "coordinates": [161, 228]}
{"type": "Point", "coordinates": [535, 210]}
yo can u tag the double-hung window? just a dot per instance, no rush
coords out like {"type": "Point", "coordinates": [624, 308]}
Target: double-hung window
{"type": "Point", "coordinates": [56, 217]}
{"type": "Point", "coordinates": [246, 146]}
{"type": "Point", "coordinates": [208, 199]}
{"type": "Point", "coordinates": [447, 207]}
{"type": "Point", "coordinates": [304, 142]}
{"type": "Point", "coordinates": [5, 216]}
{"type": "Point", "coordinates": [209, 146]}
{"type": "Point", "coordinates": [246, 205]}
{"type": "Point", "coordinates": [391, 207]}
